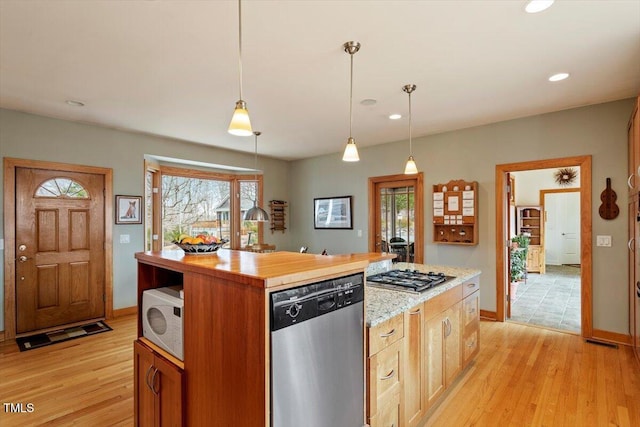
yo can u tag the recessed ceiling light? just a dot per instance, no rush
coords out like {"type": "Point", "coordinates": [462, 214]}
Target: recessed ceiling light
{"type": "Point", "coordinates": [535, 6]}
{"type": "Point", "coordinates": [558, 77]}
{"type": "Point", "coordinates": [395, 116]}
{"type": "Point", "coordinates": [368, 101]}
{"type": "Point", "coordinates": [74, 103]}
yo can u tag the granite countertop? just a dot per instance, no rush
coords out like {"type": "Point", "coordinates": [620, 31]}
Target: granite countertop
{"type": "Point", "coordinates": [383, 304]}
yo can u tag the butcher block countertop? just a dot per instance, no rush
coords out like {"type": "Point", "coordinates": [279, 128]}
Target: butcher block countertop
{"type": "Point", "coordinates": [383, 304]}
{"type": "Point", "coordinates": [263, 270]}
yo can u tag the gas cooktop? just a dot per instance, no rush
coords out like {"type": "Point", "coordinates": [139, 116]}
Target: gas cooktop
{"type": "Point", "coordinates": [408, 280]}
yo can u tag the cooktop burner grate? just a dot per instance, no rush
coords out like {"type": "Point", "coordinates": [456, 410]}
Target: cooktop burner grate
{"type": "Point", "coordinates": [408, 280]}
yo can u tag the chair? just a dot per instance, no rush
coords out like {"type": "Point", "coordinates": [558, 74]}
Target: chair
{"type": "Point", "coordinates": [401, 250]}
{"type": "Point", "coordinates": [384, 246]}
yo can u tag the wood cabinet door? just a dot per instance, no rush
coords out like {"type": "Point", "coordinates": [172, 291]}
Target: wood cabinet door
{"type": "Point", "coordinates": [453, 343]}
{"type": "Point", "coordinates": [143, 397]}
{"type": "Point", "coordinates": [634, 151]}
{"type": "Point", "coordinates": [415, 377]}
{"type": "Point", "coordinates": [434, 354]}
{"type": "Point", "coordinates": [168, 386]}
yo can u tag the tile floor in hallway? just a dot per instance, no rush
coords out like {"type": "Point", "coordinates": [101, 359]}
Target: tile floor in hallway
{"type": "Point", "coordinates": [551, 299]}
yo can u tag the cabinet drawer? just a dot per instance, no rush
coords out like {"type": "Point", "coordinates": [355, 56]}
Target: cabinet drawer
{"type": "Point", "coordinates": [389, 414]}
{"type": "Point", "coordinates": [470, 346]}
{"type": "Point", "coordinates": [385, 377]}
{"type": "Point", "coordinates": [470, 287]}
{"type": "Point", "coordinates": [384, 334]}
{"type": "Point", "coordinates": [470, 310]}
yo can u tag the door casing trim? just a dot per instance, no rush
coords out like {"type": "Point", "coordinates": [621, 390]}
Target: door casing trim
{"type": "Point", "coordinates": [586, 250]}
{"type": "Point", "coordinates": [9, 188]}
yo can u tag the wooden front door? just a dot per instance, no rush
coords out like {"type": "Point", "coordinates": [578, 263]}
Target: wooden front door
{"type": "Point", "coordinates": [60, 240]}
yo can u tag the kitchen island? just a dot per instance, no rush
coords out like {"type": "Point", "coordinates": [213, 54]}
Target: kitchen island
{"type": "Point", "coordinates": [224, 378]}
{"type": "Point", "coordinates": [414, 341]}
{"type": "Point", "coordinates": [419, 343]}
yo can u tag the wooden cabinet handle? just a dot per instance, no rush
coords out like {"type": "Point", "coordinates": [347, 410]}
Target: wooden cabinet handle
{"type": "Point", "coordinates": [389, 376]}
{"type": "Point", "coordinates": [412, 313]}
{"type": "Point", "coordinates": [447, 327]}
{"type": "Point", "coordinates": [471, 285]}
{"type": "Point", "coordinates": [146, 377]}
{"type": "Point", "coordinates": [153, 382]}
{"type": "Point", "coordinates": [388, 334]}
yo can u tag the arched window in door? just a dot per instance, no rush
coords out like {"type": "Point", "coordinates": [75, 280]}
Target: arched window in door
{"type": "Point", "coordinates": [63, 188]}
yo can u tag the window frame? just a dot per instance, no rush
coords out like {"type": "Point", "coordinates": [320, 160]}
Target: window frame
{"type": "Point", "coordinates": [158, 170]}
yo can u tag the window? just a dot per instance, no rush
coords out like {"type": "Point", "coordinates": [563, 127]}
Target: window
{"type": "Point", "coordinates": [186, 201]}
{"type": "Point", "coordinates": [62, 187]}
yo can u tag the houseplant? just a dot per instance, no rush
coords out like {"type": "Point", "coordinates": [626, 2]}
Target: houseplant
{"type": "Point", "coordinates": [518, 256]}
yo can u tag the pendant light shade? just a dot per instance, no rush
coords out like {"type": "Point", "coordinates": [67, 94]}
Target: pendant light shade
{"type": "Point", "coordinates": [351, 150]}
{"type": "Point", "coordinates": [240, 124]}
{"type": "Point", "coordinates": [256, 213]}
{"type": "Point", "coordinates": [410, 168]}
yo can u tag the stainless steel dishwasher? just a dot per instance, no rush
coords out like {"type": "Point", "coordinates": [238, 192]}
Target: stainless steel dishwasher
{"type": "Point", "coordinates": [317, 354]}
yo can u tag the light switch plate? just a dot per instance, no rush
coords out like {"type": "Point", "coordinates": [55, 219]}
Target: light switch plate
{"type": "Point", "coordinates": [125, 238]}
{"type": "Point", "coordinates": [1, 244]}
{"type": "Point", "coordinates": [603, 241]}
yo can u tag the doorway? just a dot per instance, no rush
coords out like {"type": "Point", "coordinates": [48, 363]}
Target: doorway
{"type": "Point", "coordinates": [549, 295]}
{"type": "Point", "coordinates": [396, 217]}
{"type": "Point", "coordinates": [57, 245]}
{"type": "Point", "coordinates": [503, 242]}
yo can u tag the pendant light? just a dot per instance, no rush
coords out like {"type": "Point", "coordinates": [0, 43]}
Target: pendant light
{"type": "Point", "coordinates": [351, 151]}
{"type": "Point", "coordinates": [240, 124]}
{"type": "Point", "coordinates": [256, 213]}
{"type": "Point", "coordinates": [410, 168]}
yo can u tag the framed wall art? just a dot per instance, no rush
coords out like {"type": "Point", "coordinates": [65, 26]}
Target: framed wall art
{"type": "Point", "coordinates": [333, 213]}
{"type": "Point", "coordinates": [128, 209]}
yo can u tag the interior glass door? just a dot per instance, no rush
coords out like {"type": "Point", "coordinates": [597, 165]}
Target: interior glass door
{"type": "Point", "coordinates": [397, 223]}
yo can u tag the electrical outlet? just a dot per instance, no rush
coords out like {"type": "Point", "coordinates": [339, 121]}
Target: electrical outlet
{"type": "Point", "coordinates": [359, 233]}
{"type": "Point", "coordinates": [603, 241]}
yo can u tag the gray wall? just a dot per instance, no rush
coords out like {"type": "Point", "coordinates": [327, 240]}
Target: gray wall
{"type": "Point", "coordinates": [469, 154]}
{"type": "Point", "coordinates": [472, 154]}
{"type": "Point", "coordinates": [28, 136]}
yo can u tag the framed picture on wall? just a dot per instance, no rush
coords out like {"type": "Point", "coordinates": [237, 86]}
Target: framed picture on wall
{"type": "Point", "coordinates": [333, 213]}
{"type": "Point", "coordinates": [128, 209]}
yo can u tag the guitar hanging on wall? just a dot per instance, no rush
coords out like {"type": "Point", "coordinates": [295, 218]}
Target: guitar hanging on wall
{"type": "Point", "coordinates": [608, 208]}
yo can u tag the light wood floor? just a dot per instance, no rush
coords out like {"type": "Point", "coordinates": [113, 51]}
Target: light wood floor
{"type": "Point", "coordinates": [523, 376]}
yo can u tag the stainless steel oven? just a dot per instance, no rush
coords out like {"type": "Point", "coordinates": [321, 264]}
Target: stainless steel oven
{"type": "Point", "coordinates": [317, 354]}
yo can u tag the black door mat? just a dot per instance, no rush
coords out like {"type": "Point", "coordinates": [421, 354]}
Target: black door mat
{"type": "Point", "coordinates": [61, 335]}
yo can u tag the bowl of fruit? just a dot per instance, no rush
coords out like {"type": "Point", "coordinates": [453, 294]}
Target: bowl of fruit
{"type": "Point", "coordinates": [200, 244]}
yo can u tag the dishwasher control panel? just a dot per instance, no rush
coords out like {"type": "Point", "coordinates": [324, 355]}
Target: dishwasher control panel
{"type": "Point", "coordinates": [296, 305]}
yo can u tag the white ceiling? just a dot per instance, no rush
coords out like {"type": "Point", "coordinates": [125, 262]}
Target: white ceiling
{"type": "Point", "coordinates": [171, 67]}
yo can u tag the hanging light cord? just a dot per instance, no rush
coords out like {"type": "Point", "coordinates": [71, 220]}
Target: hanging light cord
{"type": "Point", "coordinates": [240, 44]}
{"type": "Point", "coordinates": [255, 160]}
{"type": "Point", "coordinates": [410, 146]}
{"type": "Point", "coordinates": [351, 97]}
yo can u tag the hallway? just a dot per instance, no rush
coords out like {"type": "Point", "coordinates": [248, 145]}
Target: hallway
{"type": "Point", "coordinates": [551, 300]}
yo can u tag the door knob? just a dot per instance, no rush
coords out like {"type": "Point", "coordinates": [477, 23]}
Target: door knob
{"type": "Point", "coordinates": [22, 248]}
{"type": "Point", "coordinates": [22, 258]}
